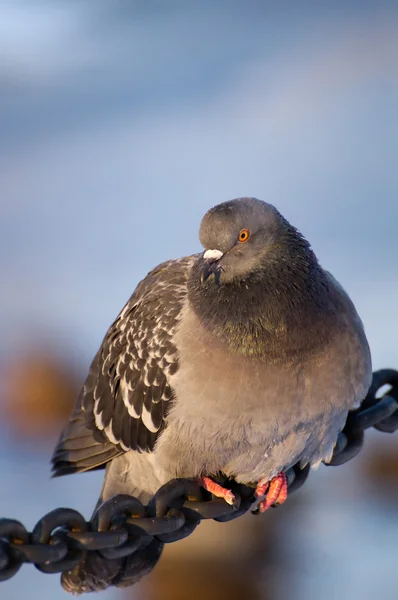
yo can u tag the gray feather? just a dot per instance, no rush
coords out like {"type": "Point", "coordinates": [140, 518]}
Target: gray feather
{"type": "Point", "coordinates": [127, 394]}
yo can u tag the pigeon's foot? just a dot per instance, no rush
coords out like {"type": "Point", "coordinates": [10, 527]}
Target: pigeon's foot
{"type": "Point", "coordinates": [217, 490]}
{"type": "Point", "coordinates": [273, 492]}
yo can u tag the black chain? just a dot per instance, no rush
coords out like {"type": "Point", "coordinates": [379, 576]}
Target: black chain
{"type": "Point", "coordinates": [122, 525]}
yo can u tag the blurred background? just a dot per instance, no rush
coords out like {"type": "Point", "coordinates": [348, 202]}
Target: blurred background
{"type": "Point", "coordinates": [121, 123]}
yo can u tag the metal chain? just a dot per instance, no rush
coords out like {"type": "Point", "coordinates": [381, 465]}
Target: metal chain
{"type": "Point", "coordinates": [122, 525]}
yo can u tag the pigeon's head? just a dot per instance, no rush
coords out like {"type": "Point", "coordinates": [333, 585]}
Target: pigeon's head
{"type": "Point", "coordinates": [237, 235]}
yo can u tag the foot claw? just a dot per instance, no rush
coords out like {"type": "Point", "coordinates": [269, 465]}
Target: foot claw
{"type": "Point", "coordinates": [273, 492]}
{"type": "Point", "coordinates": [217, 490]}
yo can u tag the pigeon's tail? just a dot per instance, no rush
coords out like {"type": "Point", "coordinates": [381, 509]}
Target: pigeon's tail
{"type": "Point", "coordinates": [96, 573]}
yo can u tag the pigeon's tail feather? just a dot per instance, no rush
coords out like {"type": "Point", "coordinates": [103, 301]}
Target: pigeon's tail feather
{"type": "Point", "coordinates": [92, 574]}
{"type": "Point", "coordinates": [95, 573]}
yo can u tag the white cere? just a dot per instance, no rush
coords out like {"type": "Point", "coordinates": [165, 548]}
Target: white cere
{"type": "Point", "coordinates": [212, 254]}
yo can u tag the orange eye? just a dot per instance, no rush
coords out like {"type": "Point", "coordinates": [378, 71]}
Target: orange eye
{"type": "Point", "coordinates": [243, 235]}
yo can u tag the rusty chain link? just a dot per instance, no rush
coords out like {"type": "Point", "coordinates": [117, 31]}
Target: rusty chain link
{"type": "Point", "coordinates": [122, 525]}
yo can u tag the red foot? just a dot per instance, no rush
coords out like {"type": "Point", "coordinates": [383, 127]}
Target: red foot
{"type": "Point", "coordinates": [273, 492]}
{"type": "Point", "coordinates": [217, 490]}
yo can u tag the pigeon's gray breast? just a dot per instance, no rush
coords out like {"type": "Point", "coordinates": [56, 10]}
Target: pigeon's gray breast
{"type": "Point", "coordinates": [252, 418]}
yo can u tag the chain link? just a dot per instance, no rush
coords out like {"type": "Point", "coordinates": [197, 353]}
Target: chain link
{"type": "Point", "coordinates": [123, 525]}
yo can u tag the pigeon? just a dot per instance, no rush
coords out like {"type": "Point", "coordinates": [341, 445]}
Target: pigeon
{"type": "Point", "coordinates": [244, 359]}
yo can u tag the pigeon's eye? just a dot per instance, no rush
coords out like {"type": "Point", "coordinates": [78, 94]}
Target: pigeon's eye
{"type": "Point", "coordinates": [243, 235]}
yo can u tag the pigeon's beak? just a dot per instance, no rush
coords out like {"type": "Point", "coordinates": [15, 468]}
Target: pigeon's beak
{"type": "Point", "coordinates": [211, 265]}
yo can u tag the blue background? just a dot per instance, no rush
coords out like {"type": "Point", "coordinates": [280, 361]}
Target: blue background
{"type": "Point", "coordinates": [121, 124]}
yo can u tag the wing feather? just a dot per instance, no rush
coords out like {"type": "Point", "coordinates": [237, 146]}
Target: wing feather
{"type": "Point", "coordinates": [126, 396]}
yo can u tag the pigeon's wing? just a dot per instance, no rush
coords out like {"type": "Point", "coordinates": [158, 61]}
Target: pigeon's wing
{"type": "Point", "coordinates": [126, 396]}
